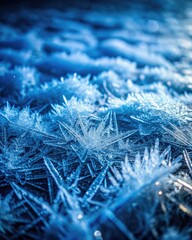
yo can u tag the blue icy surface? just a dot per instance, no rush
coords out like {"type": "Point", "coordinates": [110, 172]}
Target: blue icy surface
{"type": "Point", "coordinates": [96, 121]}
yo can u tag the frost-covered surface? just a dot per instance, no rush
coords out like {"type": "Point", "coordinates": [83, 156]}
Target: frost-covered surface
{"type": "Point", "coordinates": [96, 122]}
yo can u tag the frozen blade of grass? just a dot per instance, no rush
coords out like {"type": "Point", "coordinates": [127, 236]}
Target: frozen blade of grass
{"type": "Point", "coordinates": [187, 160]}
{"type": "Point", "coordinates": [54, 173]}
{"type": "Point", "coordinates": [62, 132]}
{"type": "Point", "coordinates": [165, 153]}
{"type": "Point", "coordinates": [72, 132]}
{"type": "Point", "coordinates": [59, 182]}
{"type": "Point", "coordinates": [82, 125]}
{"type": "Point", "coordinates": [183, 207]}
{"type": "Point", "coordinates": [37, 187]}
{"type": "Point", "coordinates": [36, 211]}
{"type": "Point", "coordinates": [90, 193]}
{"type": "Point", "coordinates": [102, 125]}
{"type": "Point", "coordinates": [57, 144]}
{"type": "Point", "coordinates": [20, 192]}
{"type": "Point", "coordinates": [119, 137]}
{"type": "Point", "coordinates": [117, 174]}
{"type": "Point", "coordinates": [156, 148]}
{"type": "Point", "coordinates": [2, 115]}
{"type": "Point", "coordinates": [119, 224]}
{"type": "Point", "coordinates": [179, 135]}
{"type": "Point", "coordinates": [81, 154]}
{"type": "Point", "coordinates": [114, 122]}
{"type": "Point", "coordinates": [165, 157]}
{"type": "Point", "coordinates": [186, 209]}
{"type": "Point", "coordinates": [50, 189]}
{"type": "Point", "coordinates": [112, 180]}
{"type": "Point", "coordinates": [97, 203]}
{"type": "Point", "coordinates": [83, 157]}
{"type": "Point", "coordinates": [75, 177]}
{"type": "Point", "coordinates": [183, 183]}
{"type": "Point", "coordinates": [90, 170]}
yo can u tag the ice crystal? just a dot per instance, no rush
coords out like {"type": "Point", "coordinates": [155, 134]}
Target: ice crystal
{"type": "Point", "coordinates": [152, 166]}
{"type": "Point", "coordinates": [71, 109]}
{"type": "Point", "coordinates": [93, 141]}
{"type": "Point", "coordinates": [23, 119]}
{"type": "Point", "coordinates": [142, 171]}
{"type": "Point", "coordinates": [110, 83]}
{"type": "Point", "coordinates": [53, 92]}
{"type": "Point", "coordinates": [150, 110]}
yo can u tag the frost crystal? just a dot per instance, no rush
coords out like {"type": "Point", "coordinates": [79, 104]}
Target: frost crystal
{"type": "Point", "coordinates": [150, 110]}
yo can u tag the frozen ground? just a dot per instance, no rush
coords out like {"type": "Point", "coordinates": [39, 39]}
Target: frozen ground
{"type": "Point", "coordinates": [96, 121]}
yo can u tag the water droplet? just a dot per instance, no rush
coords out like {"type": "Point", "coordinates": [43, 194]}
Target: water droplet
{"type": "Point", "coordinates": [80, 216]}
{"type": "Point", "coordinates": [157, 183]}
{"type": "Point", "coordinates": [97, 234]}
{"type": "Point", "coordinates": [160, 193]}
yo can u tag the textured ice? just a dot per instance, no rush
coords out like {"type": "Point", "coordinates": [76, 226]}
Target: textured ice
{"type": "Point", "coordinates": [96, 121]}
